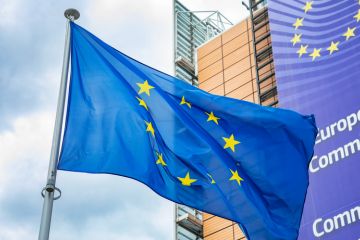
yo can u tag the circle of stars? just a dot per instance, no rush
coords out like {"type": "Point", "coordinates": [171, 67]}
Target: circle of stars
{"type": "Point", "coordinates": [316, 52]}
{"type": "Point", "coordinates": [230, 142]}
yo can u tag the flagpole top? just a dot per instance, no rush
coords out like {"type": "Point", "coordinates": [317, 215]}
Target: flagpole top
{"type": "Point", "coordinates": [72, 14]}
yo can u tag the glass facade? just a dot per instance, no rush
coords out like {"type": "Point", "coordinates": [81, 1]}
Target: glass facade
{"type": "Point", "coordinates": [262, 4]}
{"type": "Point", "coordinates": [184, 234]}
{"type": "Point", "coordinates": [190, 33]}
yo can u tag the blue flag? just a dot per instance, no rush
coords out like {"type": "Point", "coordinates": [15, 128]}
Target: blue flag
{"type": "Point", "coordinates": [227, 157]}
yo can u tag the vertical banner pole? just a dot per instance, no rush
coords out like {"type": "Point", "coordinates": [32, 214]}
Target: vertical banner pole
{"type": "Point", "coordinates": [49, 190]}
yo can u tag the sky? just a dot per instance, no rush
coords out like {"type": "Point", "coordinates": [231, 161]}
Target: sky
{"type": "Point", "coordinates": [32, 37]}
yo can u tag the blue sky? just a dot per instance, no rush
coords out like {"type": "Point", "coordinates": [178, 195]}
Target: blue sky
{"type": "Point", "coordinates": [31, 48]}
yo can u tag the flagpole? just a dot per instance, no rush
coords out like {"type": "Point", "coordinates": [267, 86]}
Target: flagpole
{"type": "Point", "coordinates": [48, 192]}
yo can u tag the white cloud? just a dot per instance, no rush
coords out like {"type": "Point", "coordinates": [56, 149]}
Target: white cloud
{"type": "Point", "coordinates": [8, 13]}
{"type": "Point", "coordinates": [26, 146]}
{"type": "Point", "coordinates": [92, 206]}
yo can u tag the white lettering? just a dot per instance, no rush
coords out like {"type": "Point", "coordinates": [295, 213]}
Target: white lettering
{"type": "Point", "coordinates": [351, 145]}
{"type": "Point", "coordinates": [336, 155]}
{"type": "Point", "coordinates": [321, 227]}
{"type": "Point", "coordinates": [320, 162]}
{"type": "Point", "coordinates": [315, 229]}
{"type": "Point", "coordinates": [323, 161]}
{"type": "Point", "coordinates": [346, 123]}
{"type": "Point", "coordinates": [343, 123]}
{"type": "Point", "coordinates": [353, 211]}
{"type": "Point", "coordinates": [328, 225]}
{"type": "Point", "coordinates": [312, 167]}
{"type": "Point", "coordinates": [341, 217]}
{"type": "Point", "coordinates": [351, 121]}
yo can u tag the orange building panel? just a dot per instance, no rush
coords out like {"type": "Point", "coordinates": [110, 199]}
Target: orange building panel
{"type": "Point", "coordinates": [237, 55]}
{"type": "Point", "coordinates": [218, 90]}
{"type": "Point", "coordinates": [234, 44]}
{"type": "Point", "coordinates": [210, 71]}
{"type": "Point", "coordinates": [239, 81]}
{"type": "Point", "coordinates": [212, 82]}
{"type": "Point", "coordinates": [209, 59]}
{"type": "Point", "coordinates": [215, 224]}
{"type": "Point", "coordinates": [210, 46]}
{"type": "Point", "coordinates": [236, 69]}
{"type": "Point", "coordinates": [234, 32]}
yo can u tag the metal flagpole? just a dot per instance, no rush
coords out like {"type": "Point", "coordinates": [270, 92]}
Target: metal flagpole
{"type": "Point", "coordinates": [48, 192]}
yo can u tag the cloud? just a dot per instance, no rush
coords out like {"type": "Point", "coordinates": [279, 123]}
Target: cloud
{"type": "Point", "coordinates": [92, 206]}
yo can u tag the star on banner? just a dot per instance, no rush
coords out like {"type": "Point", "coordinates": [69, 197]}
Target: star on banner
{"type": "Point", "coordinates": [160, 159]}
{"type": "Point", "coordinates": [357, 16]}
{"type": "Point", "coordinates": [187, 180]}
{"type": "Point", "coordinates": [142, 103]}
{"type": "Point", "coordinates": [183, 101]}
{"type": "Point", "coordinates": [145, 87]}
{"type": "Point", "coordinates": [302, 50]}
{"type": "Point", "coordinates": [333, 47]}
{"type": "Point", "coordinates": [212, 179]}
{"type": "Point", "coordinates": [296, 39]}
{"type": "Point", "coordinates": [235, 177]}
{"type": "Point", "coordinates": [212, 117]}
{"type": "Point", "coordinates": [150, 128]}
{"type": "Point", "coordinates": [349, 33]}
{"type": "Point", "coordinates": [308, 6]}
{"type": "Point", "coordinates": [315, 53]}
{"type": "Point", "coordinates": [298, 23]}
{"type": "Point", "coordinates": [230, 142]}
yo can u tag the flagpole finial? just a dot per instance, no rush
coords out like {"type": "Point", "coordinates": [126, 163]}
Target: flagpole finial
{"type": "Point", "coordinates": [72, 14]}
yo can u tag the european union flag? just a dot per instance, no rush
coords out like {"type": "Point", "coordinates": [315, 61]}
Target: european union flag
{"type": "Point", "coordinates": [227, 157]}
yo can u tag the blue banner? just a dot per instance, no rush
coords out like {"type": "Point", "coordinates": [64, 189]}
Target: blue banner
{"type": "Point", "coordinates": [317, 64]}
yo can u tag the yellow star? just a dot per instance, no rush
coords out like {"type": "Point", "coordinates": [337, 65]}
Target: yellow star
{"type": "Point", "coordinates": [150, 128]}
{"type": "Point", "coordinates": [212, 180]}
{"type": "Point", "coordinates": [296, 39]}
{"type": "Point", "coordinates": [235, 177]}
{"type": "Point", "coordinates": [357, 16]}
{"type": "Point", "coordinates": [315, 53]}
{"type": "Point", "coordinates": [308, 6]}
{"type": "Point", "coordinates": [302, 50]}
{"type": "Point", "coordinates": [183, 101]}
{"type": "Point", "coordinates": [142, 103]}
{"type": "Point", "coordinates": [160, 159]}
{"type": "Point", "coordinates": [298, 23]}
{"type": "Point", "coordinates": [333, 47]}
{"type": "Point", "coordinates": [230, 142]}
{"type": "Point", "coordinates": [212, 117]}
{"type": "Point", "coordinates": [187, 181]}
{"type": "Point", "coordinates": [349, 33]}
{"type": "Point", "coordinates": [144, 87]}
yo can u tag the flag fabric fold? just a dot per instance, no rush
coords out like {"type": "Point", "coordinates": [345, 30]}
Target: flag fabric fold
{"type": "Point", "coordinates": [227, 157]}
